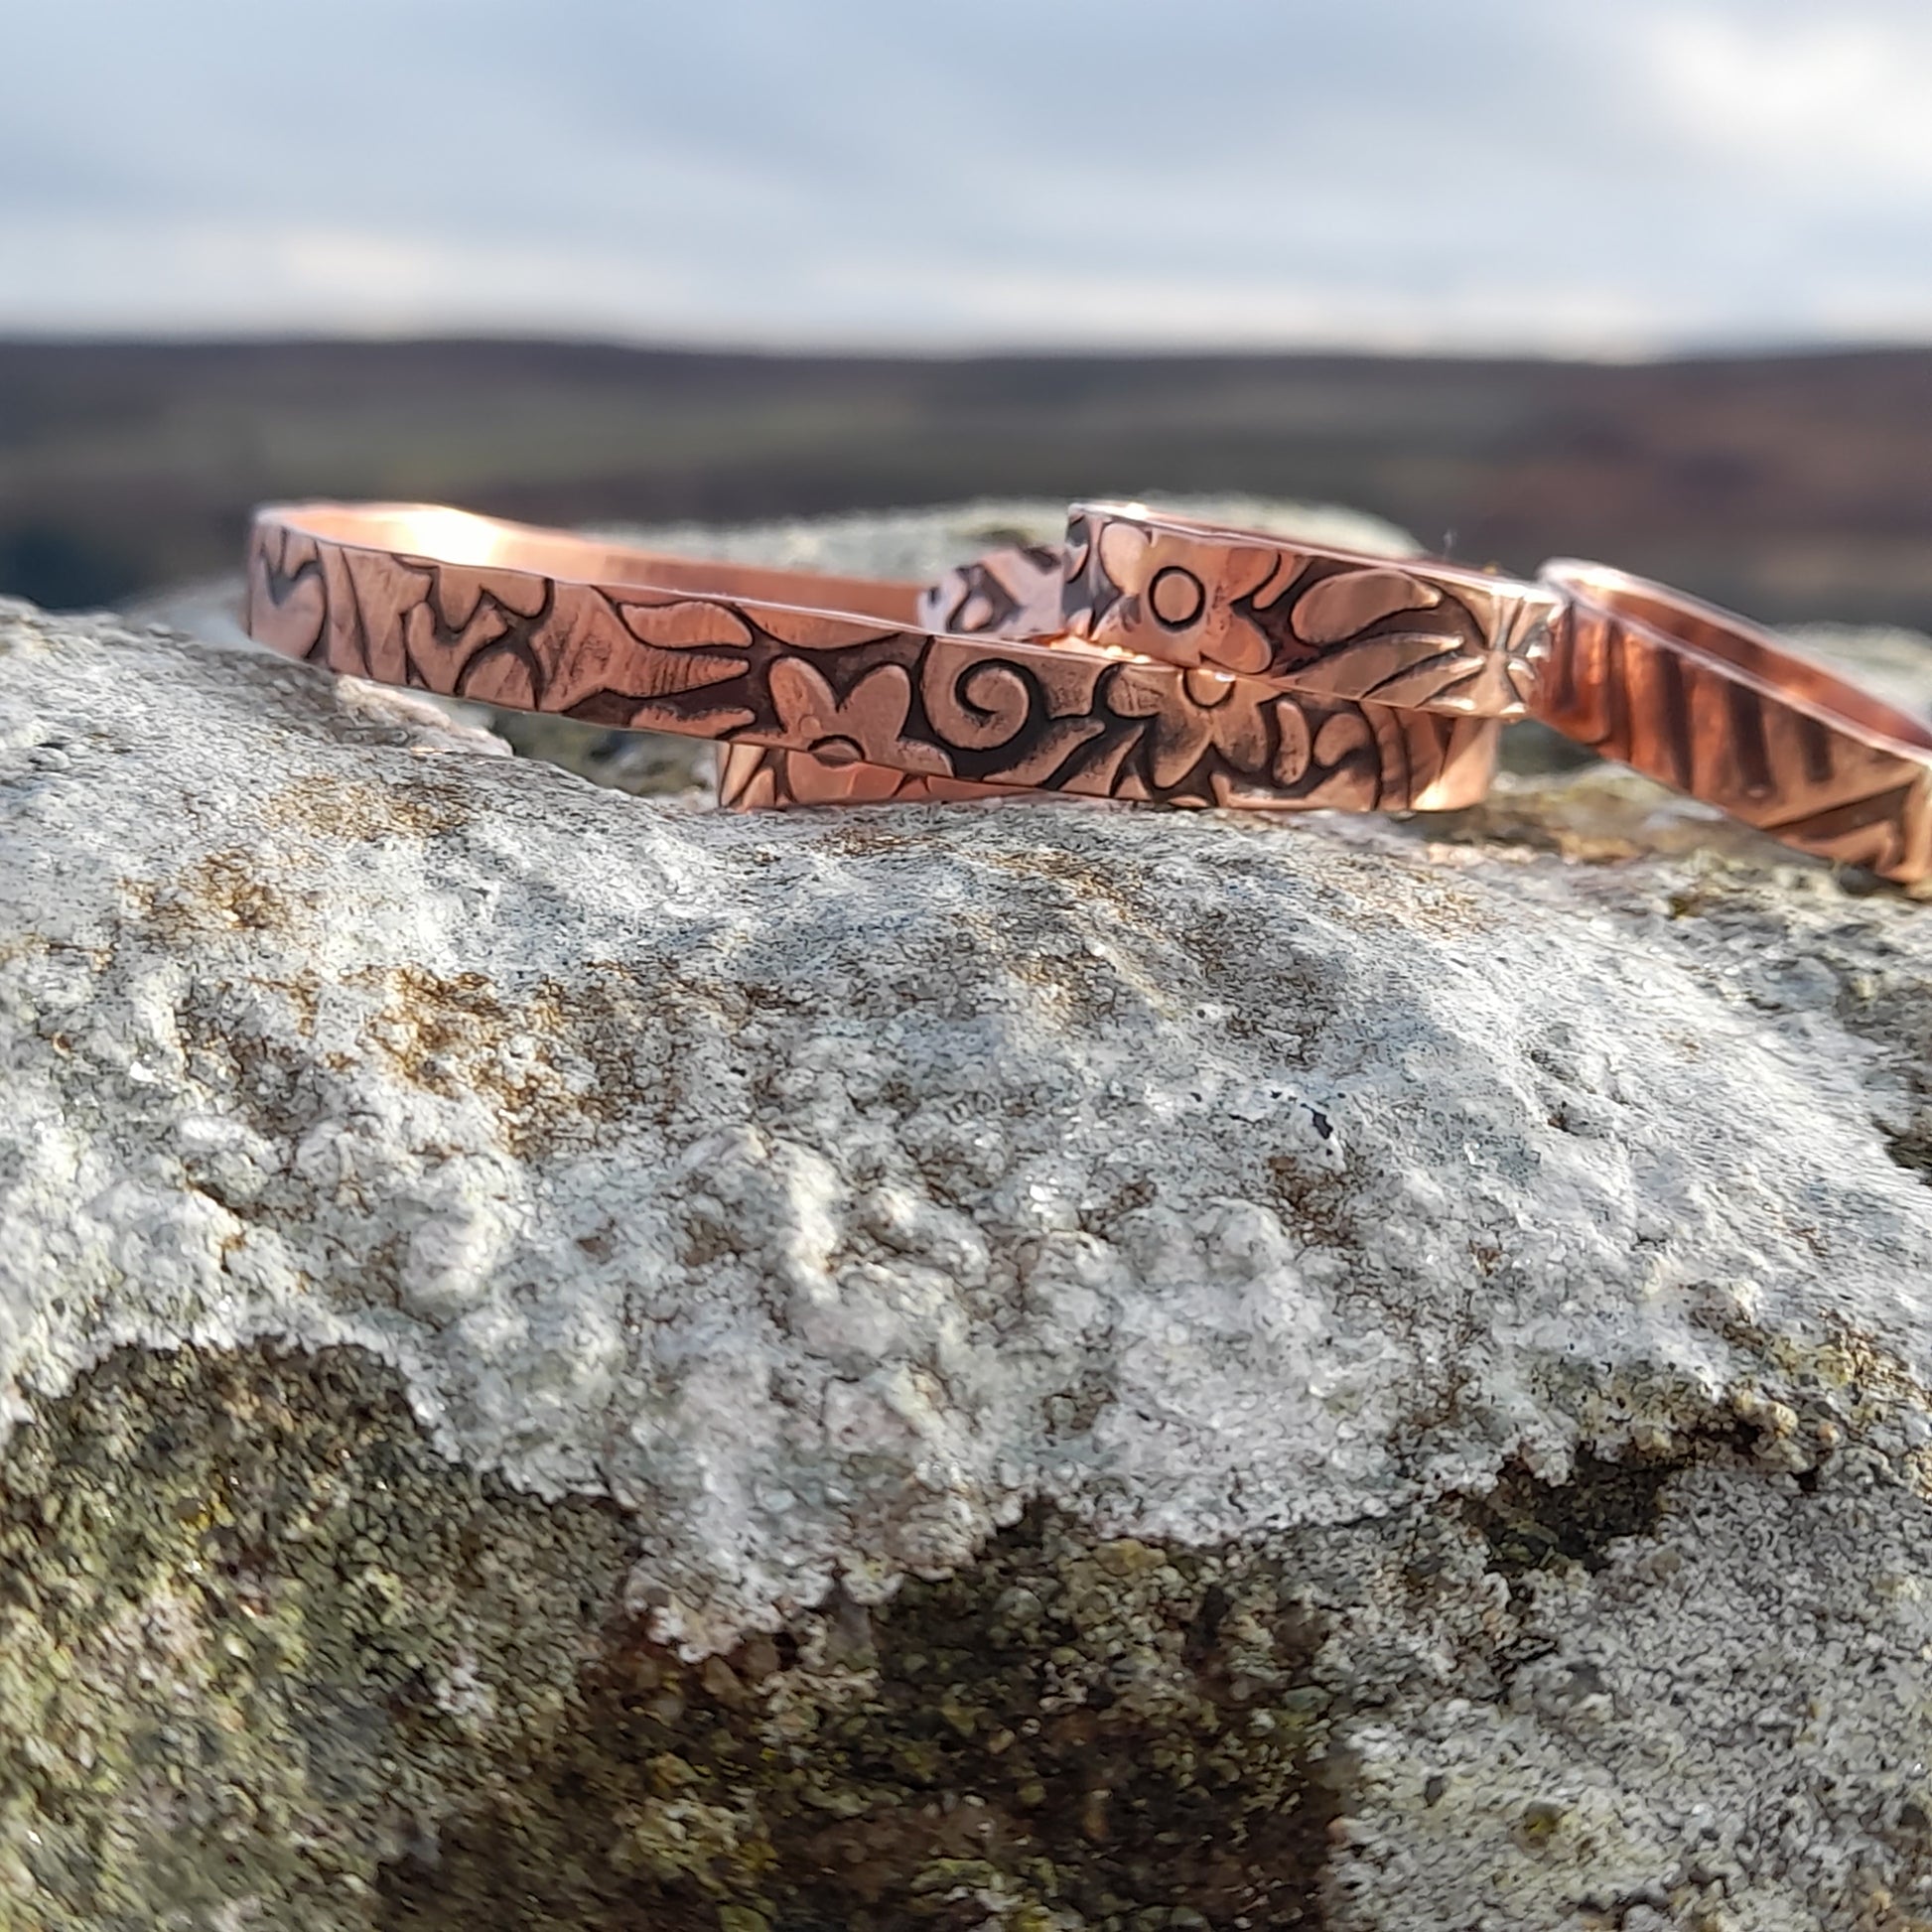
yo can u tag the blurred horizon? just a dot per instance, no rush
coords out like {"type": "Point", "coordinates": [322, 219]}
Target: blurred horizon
{"type": "Point", "coordinates": [1649, 282]}
{"type": "Point", "coordinates": [1793, 485]}
{"type": "Point", "coordinates": [1178, 350]}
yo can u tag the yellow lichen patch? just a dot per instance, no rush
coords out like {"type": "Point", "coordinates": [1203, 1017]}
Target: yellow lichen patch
{"type": "Point", "coordinates": [232, 890]}
{"type": "Point", "coordinates": [549, 1058]}
{"type": "Point", "coordinates": [359, 810]}
{"type": "Point", "coordinates": [247, 1617]}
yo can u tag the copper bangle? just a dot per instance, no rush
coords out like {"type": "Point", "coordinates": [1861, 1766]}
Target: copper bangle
{"type": "Point", "coordinates": [1014, 593]}
{"type": "Point", "coordinates": [1007, 593]}
{"type": "Point", "coordinates": [1419, 633]}
{"type": "Point", "coordinates": [1729, 712]}
{"type": "Point", "coordinates": [468, 606]}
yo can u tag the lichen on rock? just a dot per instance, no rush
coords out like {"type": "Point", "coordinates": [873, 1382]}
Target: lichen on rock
{"type": "Point", "coordinates": [269, 1646]}
{"type": "Point", "coordinates": [262, 1645]}
{"type": "Point", "coordinates": [574, 1362]}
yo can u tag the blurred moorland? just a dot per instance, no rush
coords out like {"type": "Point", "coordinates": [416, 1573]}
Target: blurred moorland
{"type": "Point", "coordinates": [1797, 487]}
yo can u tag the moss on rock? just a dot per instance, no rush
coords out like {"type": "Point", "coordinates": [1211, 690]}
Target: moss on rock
{"type": "Point", "coordinates": [267, 1658]}
{"type": "Point", "coordinates": [1062, 1735]}
{"type": "Point", "coordinates": [256, 1636]}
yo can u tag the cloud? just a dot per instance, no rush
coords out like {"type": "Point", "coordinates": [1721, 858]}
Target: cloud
{"type": "Point", "coordinates": [1502, 173]}
{"type": "Point", "coordinates": [1819, 103]}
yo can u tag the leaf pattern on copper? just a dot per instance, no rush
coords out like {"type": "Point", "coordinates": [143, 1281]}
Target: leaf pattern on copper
{"type": "Point", "coordinates": [684, 623]}
{"type": "Point", "coordinates": [1343, 626]}
{"type": "Point", "coordinates": [1697, 724]}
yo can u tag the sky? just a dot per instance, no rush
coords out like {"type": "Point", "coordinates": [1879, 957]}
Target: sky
{"type": "Point", "coordinates": [1601, 176]}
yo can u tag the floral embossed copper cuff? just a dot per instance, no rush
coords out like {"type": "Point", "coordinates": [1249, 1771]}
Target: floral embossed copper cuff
{"type": "Point", "coordinates": [1319, 756]}
{"type": "Point", "coordinates": [1709, 703]}
{"type": "Point", "coordinates": [1022, 591]}
{"type": "Point", "coordinates": [837, 668]}
{"type": "Point", "coordinates": [1415, 633]}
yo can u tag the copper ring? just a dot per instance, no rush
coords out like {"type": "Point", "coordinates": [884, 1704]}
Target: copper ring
{"type": "Point", "coordinates": [1417, 632]}
{"type": "Point", "coordinates": [536, 619]}
{"type": "Point", "coordinates": [1719, 708]}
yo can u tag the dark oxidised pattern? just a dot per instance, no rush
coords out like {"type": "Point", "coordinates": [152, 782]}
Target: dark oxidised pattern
{"type": "Point", "coordinates": [1743, 735]}
{"type": "Point", "coordinates": [1329, 623]}
{"type": "Point", "coordinates": [845, 689]}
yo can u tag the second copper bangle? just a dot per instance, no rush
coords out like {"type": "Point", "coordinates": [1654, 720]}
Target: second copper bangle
{"type": "Point", "coordinates": [1418, 638]}
{"type": "Point", "coordinates": [1019, 592]}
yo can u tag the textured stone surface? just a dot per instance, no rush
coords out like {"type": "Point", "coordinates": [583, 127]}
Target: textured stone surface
{"type": "Point", "coordinates": [574, 1362]}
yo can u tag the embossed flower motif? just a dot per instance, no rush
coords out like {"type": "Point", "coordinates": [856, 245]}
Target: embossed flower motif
{"type": "Point", "coordinates": [1174, 598]}
{"type": "Point", "coordinates": [1188, 715]}
{"type": "Point", "coordinates": [862, 728]}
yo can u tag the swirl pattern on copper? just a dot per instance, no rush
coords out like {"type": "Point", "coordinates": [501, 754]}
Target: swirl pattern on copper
{"type": "Point", "coordinates": [467, 607]}
{"type": "Point", "coordinates": [1326, 623]}
{"type": "Point", "coordinates": [1262, 750]}
{"type": "Point", "coordinates": [1710, 704]}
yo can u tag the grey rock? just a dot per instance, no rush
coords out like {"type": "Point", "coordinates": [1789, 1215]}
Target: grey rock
{"type": "Point", "coordinates": [573, 1361]}
{"type": "Point", "coordinates": [1896, 664]}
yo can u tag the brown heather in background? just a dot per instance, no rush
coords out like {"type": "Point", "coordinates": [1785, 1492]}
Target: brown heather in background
{"type": "Point", "coordinates": [1795, 486]}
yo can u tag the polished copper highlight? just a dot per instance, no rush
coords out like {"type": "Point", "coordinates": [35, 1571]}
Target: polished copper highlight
{"type": "Point", "coordinates": [1709, 703]}
{"type": "Point", "coordinates": [1411, 632]}
{"type": "Point", "coordinates": [468, 606]}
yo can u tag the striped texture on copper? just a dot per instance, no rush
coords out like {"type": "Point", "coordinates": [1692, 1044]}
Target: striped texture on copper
{"type": "Point", "coordinates": [1787, 765]}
